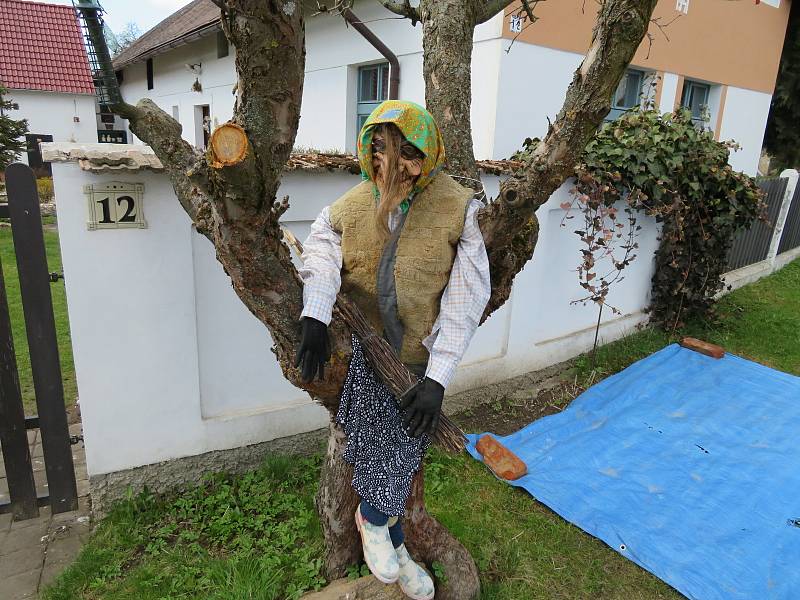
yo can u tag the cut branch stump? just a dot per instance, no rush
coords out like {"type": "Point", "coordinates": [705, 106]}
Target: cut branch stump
{"type": "Point", "coordinates": [228, 146]}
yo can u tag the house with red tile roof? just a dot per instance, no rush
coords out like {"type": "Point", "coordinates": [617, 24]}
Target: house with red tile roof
{"type": "Point", "coordinates": [44, 66]}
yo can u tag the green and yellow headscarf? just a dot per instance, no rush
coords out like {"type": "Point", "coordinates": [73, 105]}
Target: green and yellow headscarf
{"type": "Point", "coordinates": [418, 127]}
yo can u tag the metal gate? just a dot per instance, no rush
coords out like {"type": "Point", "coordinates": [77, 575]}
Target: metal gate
{"type": "Point", "coordinates": [790, 238]}
{"type": "Point", "coordinates": [752, 245]}
{"type": "Point", "coordinates": [34, 279]}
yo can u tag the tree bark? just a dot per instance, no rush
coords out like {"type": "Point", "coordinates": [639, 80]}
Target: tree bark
{"type": "Point", "coordinates": [336, 504]}
{"type": "Point", "coordinates": [447, 27]}
{"type": "Point", "coordinates": [426, 539]}
{"type": "Point", "coordinates": [236, 208]}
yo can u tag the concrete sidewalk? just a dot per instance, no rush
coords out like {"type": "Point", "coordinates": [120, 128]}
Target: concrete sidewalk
{"type": "Point", "coordinates": [35, 551]}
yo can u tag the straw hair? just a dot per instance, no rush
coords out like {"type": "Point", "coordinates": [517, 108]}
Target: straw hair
{"type": "Point", "coordinates": [391, 182]}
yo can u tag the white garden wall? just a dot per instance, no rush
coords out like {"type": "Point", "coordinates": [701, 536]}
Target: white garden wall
{"type": "Point", "coordinates": [169, 363]}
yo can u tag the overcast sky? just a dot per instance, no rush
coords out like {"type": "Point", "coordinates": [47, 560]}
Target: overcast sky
{"type": "Point", "coordinates": [145, 13]}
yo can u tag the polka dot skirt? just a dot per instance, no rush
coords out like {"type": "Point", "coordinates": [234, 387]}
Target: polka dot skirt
{"type": "Point", "coordinates": [384, 457]}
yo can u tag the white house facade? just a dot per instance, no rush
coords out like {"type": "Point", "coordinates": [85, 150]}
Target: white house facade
{"type": "Point", "coordinates": [725, 74]}
{"type": "Point", "coordinates": [55, 116]}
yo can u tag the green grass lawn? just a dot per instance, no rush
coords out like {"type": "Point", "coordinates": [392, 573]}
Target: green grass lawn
{"type": "Point", "coordinates": [257, 536]}
{"type": "Point", "coordinates": [9, 262]}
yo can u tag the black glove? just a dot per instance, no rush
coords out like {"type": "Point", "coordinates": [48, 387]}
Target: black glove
{"type": "Point", "coordinates": [314, 349]}
{"type": "Point", "coordinates": [422, 405]}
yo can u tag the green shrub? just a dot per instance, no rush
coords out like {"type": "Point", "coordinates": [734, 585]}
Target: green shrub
{"type": "Point", "coordinates": [44, 185]}
{"type": "Point", "coordinates": [667, 167]}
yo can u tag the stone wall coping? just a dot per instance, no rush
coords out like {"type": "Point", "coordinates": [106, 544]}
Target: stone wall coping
{"type": "Point", "coordinates": [111, 158]}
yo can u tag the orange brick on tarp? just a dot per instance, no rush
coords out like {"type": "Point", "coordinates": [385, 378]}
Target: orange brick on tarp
{"type": "Point", "coordinates": [702, 347]}
{"type": "Point", "coordinates": [500, 459]}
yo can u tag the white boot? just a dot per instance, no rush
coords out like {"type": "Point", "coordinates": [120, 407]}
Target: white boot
{"type": "Point", "coordinates": [414, 580]}
{"type": "Point", "coordinates": [379, 552]}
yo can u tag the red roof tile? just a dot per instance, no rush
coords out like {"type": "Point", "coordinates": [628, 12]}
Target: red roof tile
{"type": "Point", "coordinates": [41, 48]}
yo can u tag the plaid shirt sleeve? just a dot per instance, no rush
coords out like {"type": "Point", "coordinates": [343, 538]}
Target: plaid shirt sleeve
{"type": "Point", "coordinates": [462, 304]}
{"type": "Point", "coordinates": [321, 270]}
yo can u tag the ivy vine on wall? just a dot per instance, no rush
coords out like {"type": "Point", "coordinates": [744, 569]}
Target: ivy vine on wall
{"type": "Point", "coordinates": [667, 167]}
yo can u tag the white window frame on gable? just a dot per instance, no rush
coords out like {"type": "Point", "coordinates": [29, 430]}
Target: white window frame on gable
{"type": "Point", "coordinates": [372, 88]}
{"type": "Point", "coordinates": [629, 93]}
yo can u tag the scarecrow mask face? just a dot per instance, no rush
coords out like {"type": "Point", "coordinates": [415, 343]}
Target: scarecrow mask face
{"type": "Point", "coordinates": [400, 150]}
{"type": "Point", "coordinates": [407, 157]}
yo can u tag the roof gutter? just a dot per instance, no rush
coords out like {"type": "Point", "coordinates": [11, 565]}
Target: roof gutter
{"type": "Point", "coordinates": [394, 71]}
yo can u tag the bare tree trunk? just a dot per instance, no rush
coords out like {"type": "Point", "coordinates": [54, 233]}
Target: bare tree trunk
{"type": "Point", "coordinates": [447, 27]}
{"type": "Point", "coordinates": [428, 541]}
{"type": "Point", "coordinates": [336, 505]}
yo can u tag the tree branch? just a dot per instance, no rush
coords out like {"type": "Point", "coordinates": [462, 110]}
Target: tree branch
{"type": "Point", "coordinates": [233, 205]}
{"type": "Point", "coordinates": [185, 165]}
{"type": "Point", "coordinates": [509, 225]}
{"type": "Point", "coordinates": [404, 9]}
{"type": "Point", "coordinates": [489, 9]}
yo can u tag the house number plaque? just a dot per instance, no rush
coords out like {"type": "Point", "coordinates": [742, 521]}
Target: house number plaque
{"type": "Point", "coordinates": [115, 205]}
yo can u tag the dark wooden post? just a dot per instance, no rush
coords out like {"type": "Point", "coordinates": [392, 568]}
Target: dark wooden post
{"type": "Point", "coordinates": [14, 439]}
{"type": "Point", "coordinates": [34, 280]}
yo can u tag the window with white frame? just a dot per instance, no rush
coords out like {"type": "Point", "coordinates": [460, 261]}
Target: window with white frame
{"type": "Point", "coordinates": [695, 98]}
{"type": "Point", "coordinates": [628, 94]}
{"type": "Point", "coordinates": [373, 88]}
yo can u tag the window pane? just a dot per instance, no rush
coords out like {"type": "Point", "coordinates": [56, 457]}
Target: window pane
{"type": "Point", "coordinates": [149, 68]}
{"type": "Point", "coordinates": [695, 98]}
{"type": "Point", "coordinates": [385, 82]}
{"type": "Point", "coordinates": [627, 94]}
{"type": "Point", "coordinates": [222, 45]}
{"type": "Point", "coordinates": [619, 96]}
{"type": "Point", "coordinates": [368, 90]}
{"type": "Point", "coordinates": [634, 88]}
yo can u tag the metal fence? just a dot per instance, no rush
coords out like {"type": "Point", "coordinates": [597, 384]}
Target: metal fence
{"type": "Point", "coordinates": [752, 245]}
{"type": "Point", "coordinates": [37, 304]}
{"type": "Point", "coordinates": [790, 237]}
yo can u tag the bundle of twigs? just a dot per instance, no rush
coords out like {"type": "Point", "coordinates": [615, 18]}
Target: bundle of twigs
{"type": "Point", "coordinates": [320, 161]}
{"type": "Point", "coordinates": [394, 374]}
{"type": "Point", "coordinates": [349, 162]}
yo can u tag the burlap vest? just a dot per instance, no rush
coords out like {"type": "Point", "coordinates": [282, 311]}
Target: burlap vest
{"type": "Point", "coordinates": [425, 254]}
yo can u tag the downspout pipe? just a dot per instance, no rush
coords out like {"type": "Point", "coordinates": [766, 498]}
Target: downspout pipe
{"type": "Point", "coordinates": [394, 71]}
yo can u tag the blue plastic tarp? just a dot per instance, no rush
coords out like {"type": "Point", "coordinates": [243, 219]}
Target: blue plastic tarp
{"type": "Point", "coordinates": [687, 465]}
